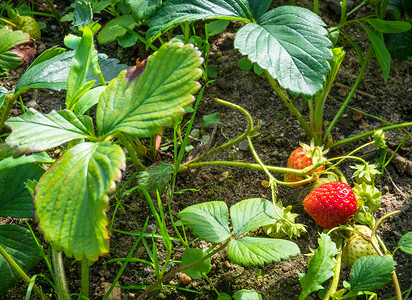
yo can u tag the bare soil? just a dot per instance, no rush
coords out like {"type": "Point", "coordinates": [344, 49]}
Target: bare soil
{"type": "Point", "coordinates": [279, 135]}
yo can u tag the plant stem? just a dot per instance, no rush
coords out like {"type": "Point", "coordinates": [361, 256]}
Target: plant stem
{"type": "Point", "coordinates": [57, 261]}
{"type": "Point", "coordinates": [355, 86]}
{"type": "Point", "coordinates": [181, 269]}
{"type": "Point", "coordinates": [85, 278]}
{"type": "Point", "coordinates": [136, 161]}
{"type": "Point", "coordinates": [236, 140]}
{"type": "Point", "coordinates": [335, 281]}
{"type": "Point", "coordinates": [376, 247]}
{"type": "Point", "coordinates": [56, 15]}
{"type": "Point", "coordinates": [21, 273]}
{"type": "Point", "coordinates": [342, 13]}
{"type": "Point", "coordinates": [289, 104]}
{"type": "Point", "coordinates": [316, 6]}
{"type": "Point", "coordinates": [371, 132]}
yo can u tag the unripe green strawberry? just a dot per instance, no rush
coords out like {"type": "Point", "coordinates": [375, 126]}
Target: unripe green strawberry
{"type": "Point", "coordinates": [331, 204]}
{"type": "Point", "coordinates": [357, 247]}
{"type": "Point", "coordinates": [301, 158]}
{"type": "Point", "coordinates": [29, 25]}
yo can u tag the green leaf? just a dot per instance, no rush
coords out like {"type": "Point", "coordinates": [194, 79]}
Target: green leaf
{"type": "Point", "coordinates": [389, 26]}
{"type": "Point", "coordinates": [405, 243]}
{"type": "Point", "coordinates": [197, 270]}
{"type": "Point", "coordinates": [400, 44]}
{"type": "Point", "coordinates": [20, 245]}
{"type": "Point", "coordinates": [209, 221]}
{"type": "Point", "coordinates": [259, 251]}
{"type": "Point", "coordinates": [320, 267]}
{"type": "Point", "coordinates": [15, 199]}
{"type": "Point", "coordinates": [216, 27]}
{"type": "Point", "coordinates": [127, 40]}
{"type": "Point", "coordinates": [53, 73]}
{"type": "Point", "coordinates": [259, 7]}
{"type": "Point", "coordinates": [371, 272]}
{"type": "Point", "coordinates": [46, 55]}
{"type": "Point", "coordinates": [83, 14]}
{"type": "Point", "coordinates": [246, 295]}
{"type": "Point", "coordinates": [8, 59]}
{"type": "Point", "coordinates": [174, 12]}
{"type": "Point", "coordinates": [11, 162]}
{"type": "Point", "coordinates": [250, 214]}
{"type": "Point", "coordinates": [89, 99]}
{"type": "Point", "coordinates": [213, 118]}
{"type": "Point", "coordinates": [71, 199]}
{"type": "Point", "coordinates": [3, 93]}
{"type": "Point", "coordinates": [382, 54]}
{"type": "Point", "coordinates": [79, 67]}
{"type": "Point", "coordinates": [113, 29]}
{"type": "Point", "coordinates": [35, 132]}
{"type": "Point", "coordinates": [290, 43]}
{"type": "Point", "coordinates": [244, 64]}
{"type": "Point", "coordinates": [146, 98]}
{"type": "Point", "coordinates": [155, 177]}
{"type": "Point", "coordinates": [142, 10]}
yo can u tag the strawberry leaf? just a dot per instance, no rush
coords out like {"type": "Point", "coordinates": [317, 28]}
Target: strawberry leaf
{"type": "Point", "coordinates": [209, 221]}
{"type": "Point", "coordinates": [197, 270]}
{"type": "Point", "coordinates": [250, 214]}
{"type": "Point", "coordinates": [174, 12]}
{"type": "Point", "coordinates": [371, 272]}
{"type": "Point", "coordinates": [255, 251]}
{"type": "Point", "coordinates": [18, 242]}
{"type": "Point", "coordinates": [152, 95]}
{"type": "Point", "coordinates": [320, 267]}
{"type": "Point", "coordinates": [405, 243]}
{"type": "Point", "coordinates": [71, 199]}
{"type": "Point", "coordinates": [291, 44]}
{"type": "Point", "coordinates": [35, 132]}
{"type": "Point", "coordinates": [9, 39]}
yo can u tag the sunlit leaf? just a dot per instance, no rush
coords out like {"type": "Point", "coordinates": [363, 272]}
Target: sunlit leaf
{"type": "Point", "coordinates": [146, 98]}
{"type": "Point", "coordinates": [35, 132]}
{"type": "Point", "coordinates": [257, 251]}
{"type": "Point", "coordinates": [291, 44]}
{"type": "Point", "coordinates": [71, 199]}
{"type": "Point", "coordinates": [320, 267]}
{"type": "Point", "coordinates": [209, 221]}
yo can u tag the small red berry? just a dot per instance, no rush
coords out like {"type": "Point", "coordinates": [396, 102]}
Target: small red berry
{"type": "Point", "coordinates": [331, 204]}
{"type": "Point", "coordinates": [301, 158]}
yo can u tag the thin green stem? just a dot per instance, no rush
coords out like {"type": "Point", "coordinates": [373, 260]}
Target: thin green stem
{"type": "Point", "coordinates": [342, 13]}
{"type": "Point", "coordinates": [352, 92]}
{"type": "Point", "coordinates": [373, 242]}
{"type": "Point", "coordinates": [371, 132]}
{"type": "Point", "coordinates": [85, 278]}
{"type": "Point", "coordinates": [335, 280]}
{"type": "Point", "coordinates": [316, 6]}
{"type": "Point", "coordinates": [236, 140]}
{"type": "Point", "coordinates": [136, 161]}
{"type": "Point", "coordinates": [204, 275]}
{"type": "Point", "coordinates": [21, 273]}
{"type": "Point", "coordinates": [181, 269]}
{"type": "Point", "coordinates": [57, 260]}
{"type": "Point", "coordinates": [290, 105]}
{"type": "Point", "coordinates": [129, 256]}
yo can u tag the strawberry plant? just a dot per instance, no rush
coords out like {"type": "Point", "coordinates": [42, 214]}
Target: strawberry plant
{"type": "Point", "coordinates": [124, 110]}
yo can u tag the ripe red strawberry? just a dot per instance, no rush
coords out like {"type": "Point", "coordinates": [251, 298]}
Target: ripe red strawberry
{"type": "Point", "coordinates": [331, 204]}
{"type": "Point", "coordinates": [356, 246]}
{"type": "Point", "coordinates": [301, 158]}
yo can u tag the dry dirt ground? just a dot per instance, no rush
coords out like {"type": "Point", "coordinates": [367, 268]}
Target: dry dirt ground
{"type": "Point", "coordinates": [279, 135]}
